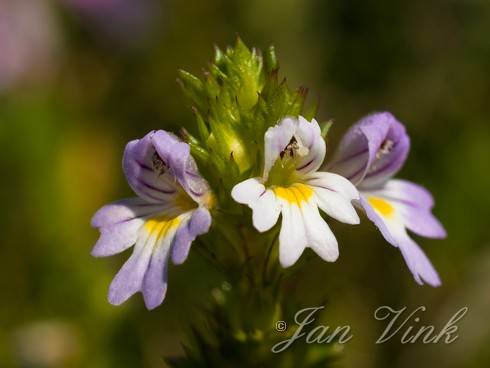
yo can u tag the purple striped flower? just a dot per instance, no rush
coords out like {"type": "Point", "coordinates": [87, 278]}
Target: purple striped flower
{"type": "Point", "coordinates": [370, 153]}
{"type": "Point", "coordinates": [171, 210]}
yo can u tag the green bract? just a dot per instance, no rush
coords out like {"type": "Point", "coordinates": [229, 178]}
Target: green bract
{"type": "Point", "coordinates": [236, 100]}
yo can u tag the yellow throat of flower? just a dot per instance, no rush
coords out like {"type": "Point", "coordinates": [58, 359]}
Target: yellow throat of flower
{"type": "Point", "coordinates": [294, 194]}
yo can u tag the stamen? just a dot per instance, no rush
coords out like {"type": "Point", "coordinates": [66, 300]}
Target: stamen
{"type": "Point", "coordinates": [159, 166]}
{"type": "Point", "coordinates": [385, 148]}
{"type": "Point", "coordinates": [294, 147]}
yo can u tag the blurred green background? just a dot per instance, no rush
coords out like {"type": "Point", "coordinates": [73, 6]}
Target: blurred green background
{"type": "Point", "coordinates": [80, 78]}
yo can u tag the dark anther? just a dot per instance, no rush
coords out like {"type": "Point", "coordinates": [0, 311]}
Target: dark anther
{"type": "Point", "coordinates": [385, 148]}
{"type": "Point", "coordinates": [159, 166]}
{"type": "Point", "coordinates": [290, 149]}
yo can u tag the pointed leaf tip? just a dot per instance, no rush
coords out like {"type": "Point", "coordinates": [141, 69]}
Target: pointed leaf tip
{"type": "Point", "coordinates": [325, 127]}
{"type": "Point", "coordinates": [271, 62]}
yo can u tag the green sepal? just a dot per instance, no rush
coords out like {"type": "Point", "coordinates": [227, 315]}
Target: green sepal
{"type": "Point", "coordinates": [202, 128]}
{"type": "Point", "coordinates": [193, 88]}
{"type": "Point", "coordinates": [325, 128]}
{"type": "Point", "coordinates": [237, 99]}
{"type": "Point", "coordinates": [271, 63]}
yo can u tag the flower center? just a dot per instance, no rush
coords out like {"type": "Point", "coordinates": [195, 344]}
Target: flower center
{"type": "Point", "coordinates": [382, 206]}
{"type": "Point", "coordinates": [161, 226]}
{"type": "Point", "coordinates": [294, 194]}
{"type": "Point", "coordinates": [385, 148]}
{"type": "Point", "coordinates": [159, 166]}
{"type": "Point", "coordinates": [283, 172]}
{"type": "Point", "coordinates": [294, 148]}
{"type": "Point", "coordinates": [184, 202]}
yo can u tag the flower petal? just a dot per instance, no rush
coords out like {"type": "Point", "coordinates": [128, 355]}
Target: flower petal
{"type": "Point", "coordinates": [292, 237]}
{"type": "Point", "coordinates": [248, 191]}
{"type": "Point", "coordinates": [407, 192]}
{"type": "Point", "coordinates": [154, 285]}
{"type": "Point", "coordinates": [377, 220]}
{"type": "Point", "coordinates": [276, 139]}
{"type": "Point", "coordinates": [422, 222]}
{"type": "Point", "coordinates": [422, 269]}
{"type": "Point", "coordinates": [319, 236]}
{"type": "Point", "coordinates": [311, 137]}
{"type": "Point", "coordinates": [117, 238]}
{"type": "Point", "coordinates": [138, 166]}
{"type": "Point", "coordinates": [392, 228]}
{"type": "Point", "coordinates": [414, 203]}
{"type": "Point", "coordinates": [357, 149]}
{"type": "Point", "coordinates": [145, 270]}
{"type": "Point", "coordinates": [156, 164]}
{"type": "Point", "coordinates": [182, 166]}
{"type": "Point", "coordinates": [372, 150]}
{"type": "Point", "coordinates": [266, 211]}
{"type": "Point", "coordinates": [129, 279]}
{"type": "Point", "coordinates": [197, 224]}
{"type": "Point", "coordinates": [333, 182]}
{"type": "Point", "coordinates": [336, 206]}
{"type": "Point", "coordinates": [124, 210]}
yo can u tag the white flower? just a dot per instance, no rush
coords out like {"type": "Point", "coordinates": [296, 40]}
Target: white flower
{"type": "Point", "coordinates": [292, 186]}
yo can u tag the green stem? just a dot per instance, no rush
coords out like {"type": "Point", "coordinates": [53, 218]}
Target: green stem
{"type": "Point", "coordinates": [267, 258]}
{"type": "Point", "coordinates": [225, 228]}
{"type": "Point", "coordinates": [208, 255]}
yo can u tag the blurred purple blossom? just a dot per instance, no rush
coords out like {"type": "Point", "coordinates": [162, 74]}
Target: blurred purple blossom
{"type": "Point", "coordinates": [29, 41]}
{"type": "Point", "coordinates": [125, 21]}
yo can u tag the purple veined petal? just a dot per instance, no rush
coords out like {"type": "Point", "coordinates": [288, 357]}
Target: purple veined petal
{"type": "Point", "coordinates": [155, 281]}
{"type": "Point", "coordinates": [414, 203]}
{"type": "Point", "coordinates": [154, 285]}
{"type": "Point", "coordinates": [276, 139]}
{"type": "Point", "coordinates": [394, 232]}
{"type": "Point", "coordinates": [123, 210]}
{"type": "Point", "coordinates": [120, 222]}
{"type": "Point", "coordinates": [117, 238]}
{"type": "Point", "coordinates": [138, 165]}
{"type": "Point", "coordinates": [194, 183]}
{"type": "Point", "coordinates": [357, 149]}
{"type": "Point", "coordinates": [177, 156]}
{"type": "Point", "coordinates": [390, 160]}
{"type": "Point", "coordinates": [422, 222]}
{"type": "Point", "coordinates": [129, 279]}
{"type": "Point", "coordinates": [311, 137]}
{"type": "Point", "coordinates": [422, 269]}
{"type": "Point", "coordinates": [372, 150]}
{"type": "Point", "coordinates": [198, 224]}
{"type": "Point", "coordinates": [406, 192]}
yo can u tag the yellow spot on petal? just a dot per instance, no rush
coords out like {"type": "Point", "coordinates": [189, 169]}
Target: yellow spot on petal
{"type": "Point", "coordinates": [382, 206]}
{"type": "Point", "coordinates": [294, 194]}
{"type": "Point", "coordinates": [161, 226]}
